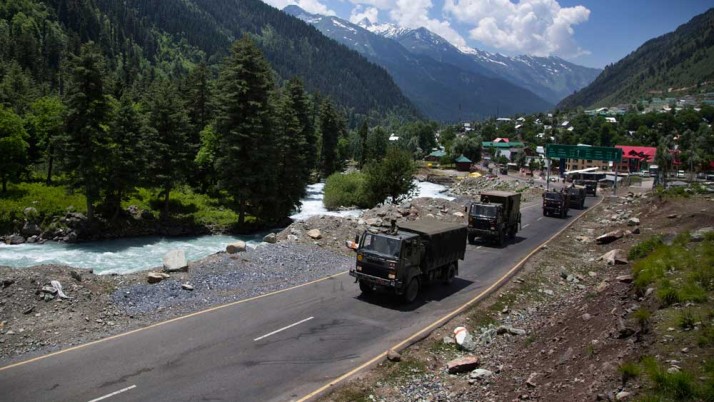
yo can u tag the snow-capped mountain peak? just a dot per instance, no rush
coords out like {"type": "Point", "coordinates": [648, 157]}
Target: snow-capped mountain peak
{"type": "Point", "coordinates": [387, 30]}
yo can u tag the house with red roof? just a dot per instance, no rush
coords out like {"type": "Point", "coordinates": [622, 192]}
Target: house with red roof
{"type": "Point", "coordinates": [635, 158]}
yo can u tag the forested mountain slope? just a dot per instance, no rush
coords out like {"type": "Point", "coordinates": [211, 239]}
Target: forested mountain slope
{"type": "Point", "coordinates": [683, 59]}
{"type": "Point", "coordinates": [142, 39]}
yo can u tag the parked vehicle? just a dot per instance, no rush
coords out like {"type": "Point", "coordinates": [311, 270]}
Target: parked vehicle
{"type": "Point", "coordinates": [402, 259]}
{"type": "Point", "coordinates": [555, 203]}
{"type": "Point", "coordinates": [576, 196]}
{"type": "Point", "coordinates": [495, 216]}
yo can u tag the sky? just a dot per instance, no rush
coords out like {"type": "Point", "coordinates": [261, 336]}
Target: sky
{"type": "Point", "coordinates": [591, 33]}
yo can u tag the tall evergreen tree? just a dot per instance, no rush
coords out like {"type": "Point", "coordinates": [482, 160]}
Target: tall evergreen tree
{"type": "Point", "coordinates": [128, 159]}
{"type": "Point", "coordinates": [332, 127]}
{"type": "Point", "coordinates": [198, 96]}
{"type": "Point", "coordinates": [303, 110]}
{"type": "Point", "coordinates": [87, 144]}
{"type": "Point", "coordinates": [363, 133]}
{"type": "Point", "coordinates": [13, 146]}
{"type": "Point", "coordinates": [243, 125]}
{"type": "Point", "coordinates": [172, 154]}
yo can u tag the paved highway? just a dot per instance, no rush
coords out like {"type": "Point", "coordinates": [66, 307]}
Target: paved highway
{"type": "Point", "coordinates": [279, 347]}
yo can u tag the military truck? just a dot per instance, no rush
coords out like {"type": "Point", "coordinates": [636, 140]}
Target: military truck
{"type": "Point", "coordinates": [401, 260]}
{"type": "Point", "coordinates": [555, 203]}
{"type": "Point", "coordinates": [495, 216]}
{"type": "Point", "coordinates": [576, 197]}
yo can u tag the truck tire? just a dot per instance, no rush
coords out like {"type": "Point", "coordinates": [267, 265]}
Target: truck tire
{"type": "Point", "coordinates": [513, 231]}
{"type": "Point", "coordinates": [501, 238]}
{"type": "Point", "coordinates": [365, 288]}
{"type": "Point", "coordinates": [411, 291]}
{"type": "Point", "coordinates": [450, 274]}
{"type": "Point", "coordinates": [582, 204]}
{"type": "Point", "coordinates": [472, 238]}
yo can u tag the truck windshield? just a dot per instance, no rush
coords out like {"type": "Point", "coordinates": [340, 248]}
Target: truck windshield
{"type": "Point", "coordinates": [553, 196]}
{"type": "Point", "coordinates": [484, 210]}
{"type": "Point", "coordinates": [381, 244]}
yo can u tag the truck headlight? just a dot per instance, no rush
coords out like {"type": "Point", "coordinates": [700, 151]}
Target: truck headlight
{"type": "Point", "coordinates": [359, 268]}
{"type": "Point", "coordinates": [392, 275]}
{"type": "Point", "coordinates": [359, 257]}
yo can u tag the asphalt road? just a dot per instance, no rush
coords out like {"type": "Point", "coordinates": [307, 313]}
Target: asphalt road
{"type": "Point", "coordinates": [279, 347]}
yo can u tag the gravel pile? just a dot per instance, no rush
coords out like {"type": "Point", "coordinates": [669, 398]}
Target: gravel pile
{"type": "Point", "coordinates": [225, 278]}
{"type": "Point", "coordinates": [473, 186]}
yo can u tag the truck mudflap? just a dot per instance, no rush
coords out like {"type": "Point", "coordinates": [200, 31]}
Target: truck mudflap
{"type": "Point", "coordinates": [375, 280]}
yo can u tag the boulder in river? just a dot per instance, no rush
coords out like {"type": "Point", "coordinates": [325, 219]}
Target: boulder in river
{"type": "Point", "coordinates": [175, 261]}
{"type": "Point", "coordinates": [270, 238]}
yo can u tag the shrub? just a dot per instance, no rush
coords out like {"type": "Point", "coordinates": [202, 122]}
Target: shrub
{"type": "Point", "coordinates": [345, 190]}
{"type": "Point", "coordinates": [644, 248]}
{"type": "Point", "coordinates": [642, 315]}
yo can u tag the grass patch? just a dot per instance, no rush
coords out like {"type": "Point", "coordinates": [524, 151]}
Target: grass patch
{"type": "Point", "coordinates": [644, 248]}
{"type": "Point", "coordinates": [49, 201]}
{"type": "Point", "coordinates": [681, 272]}
{"type": "Point", "coordinates": [187, 205]}
{"type": "Point", "coordinates": [628, 371]}
{"type": "Point", "coordinates": [642, 316]}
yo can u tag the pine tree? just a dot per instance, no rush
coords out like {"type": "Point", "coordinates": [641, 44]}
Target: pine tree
{"type": "Point", "coordinates": [363, 133]}
{"type": "Point", "coordinates": [332, 127]}
{"type": "Point", "coordinates": [87, 143]}
{"type": "Point", "coordinates": [172, 154]}
{"type": "Point", "coordinates": [245, 145]}
{"type": "Point", "coordinates": [303, 110]}
{"type": "Point", "coordinates": [128, 160]}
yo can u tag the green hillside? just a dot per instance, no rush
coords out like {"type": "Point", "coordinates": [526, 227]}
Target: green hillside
{"type": "Point", "coordinates": [680, 62]}
{"type": "Point", "coordinates": [142, 40]}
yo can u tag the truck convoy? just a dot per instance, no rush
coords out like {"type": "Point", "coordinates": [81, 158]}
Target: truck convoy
{"type": "Point", "coordinates": [495, 216]}
{"type": "Point", "coordinates": [402, 259]}
{"type": "Point", "coordinates": [555, 203]}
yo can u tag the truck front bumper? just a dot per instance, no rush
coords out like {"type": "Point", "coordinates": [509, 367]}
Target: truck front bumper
{"type": "Point", "coordinates": [375, 280]}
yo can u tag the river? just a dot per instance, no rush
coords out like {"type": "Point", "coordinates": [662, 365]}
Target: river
{"type": "Point", "coordinates": [123, 256]}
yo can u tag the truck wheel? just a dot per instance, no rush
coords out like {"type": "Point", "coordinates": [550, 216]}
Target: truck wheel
{"type": "Point", "coordinates": [450, 274]}
{"type": "Point", "coordinates": [513, 231]}
{"type": "Point", "coordinates": [365, 288]}
{"type": "Point", "coordinates": [501, 238]}
{"type": "Point", "coordinates": [412, 290]}
{"type": "Point", "coordinates": [472, 238]}
{"type": "Point", "coordinates": [582, 204]}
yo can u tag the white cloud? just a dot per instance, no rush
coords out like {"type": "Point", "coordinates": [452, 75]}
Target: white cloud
{"type": "Point", "coordinates": [359, 13]}
{"type": "Point", "coordinates": [415, 14]}
{"type": "Point", "coordinates": [536, 27]}
{"type": "Point", "coordinates": [311, 6]}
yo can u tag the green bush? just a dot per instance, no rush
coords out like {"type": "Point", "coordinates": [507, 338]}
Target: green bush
{"type": "Point", "coordinates": [345, 190]}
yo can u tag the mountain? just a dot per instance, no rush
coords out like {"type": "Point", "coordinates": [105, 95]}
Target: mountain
{"type": "Point", "coordinates": [551, 78]}
{"type": "Point", "coordinates": [143, 39]}
{"type": "Point", "coordinates": [682, 60]}
{"type": "Point", "coordinates": [441, 90]}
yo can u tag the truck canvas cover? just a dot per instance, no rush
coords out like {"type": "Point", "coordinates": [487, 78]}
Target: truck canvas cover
{"type": "Point", "coordinates": [446, 241]}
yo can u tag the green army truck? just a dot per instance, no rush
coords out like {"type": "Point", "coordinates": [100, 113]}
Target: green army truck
{"type": "Point", "coordinates": [401, 260]}
{"type": "Point", "coordinates": [576, 196]}
{"type": "Point", "coordinates": [556, 203]}
{"type": "Point", "coordinates": [495, 216]}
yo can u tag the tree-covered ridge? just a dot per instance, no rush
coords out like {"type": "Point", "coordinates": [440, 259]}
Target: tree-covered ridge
{"type": "Point", "coordinates": [143, 40]}
{"type": "Point", "coordinates": [683, 59]}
